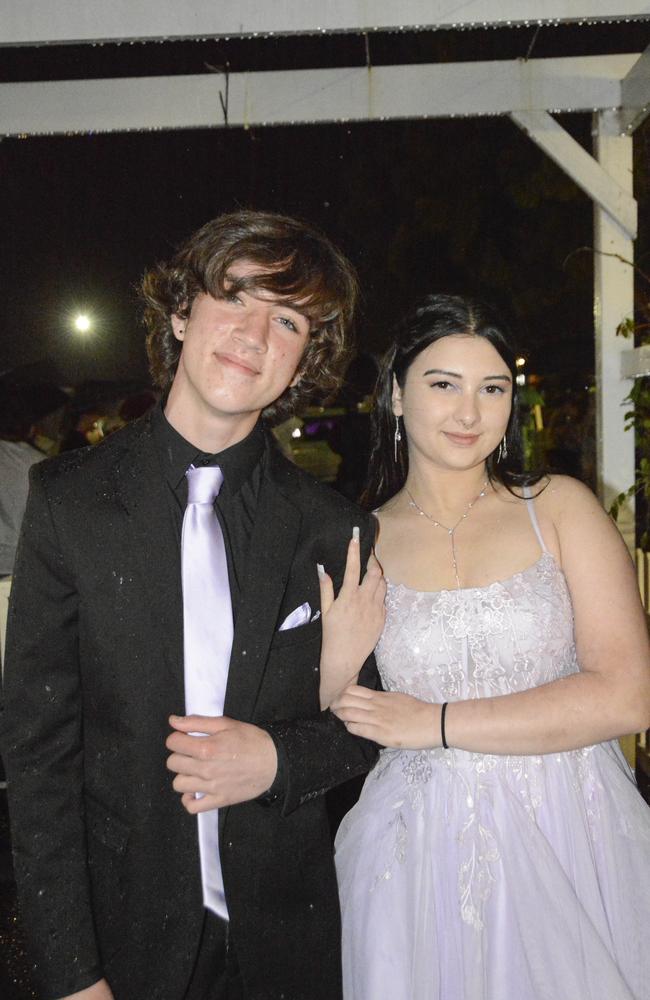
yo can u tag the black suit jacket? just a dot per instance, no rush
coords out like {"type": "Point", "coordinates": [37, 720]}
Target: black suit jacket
{"type": "Point", "coordinates": [106, 858]}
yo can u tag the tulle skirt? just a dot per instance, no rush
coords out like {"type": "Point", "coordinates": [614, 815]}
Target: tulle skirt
{"type": "Point", "coordinates": [474, 877]}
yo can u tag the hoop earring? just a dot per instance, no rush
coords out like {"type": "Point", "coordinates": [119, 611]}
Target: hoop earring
{"type": "Point", "coordinates": [502, 453]}
{"type": "Point", "coordinates": [396, 440]}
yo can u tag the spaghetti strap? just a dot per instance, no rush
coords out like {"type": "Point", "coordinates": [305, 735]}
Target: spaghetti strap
{"type": "Point", "coordinates": [533, 517]}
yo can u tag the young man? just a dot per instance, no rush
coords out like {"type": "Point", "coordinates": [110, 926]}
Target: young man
{"type": "Point", "coordinates": [120, 897]}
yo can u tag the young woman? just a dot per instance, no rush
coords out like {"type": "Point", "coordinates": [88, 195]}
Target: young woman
{"type": "Point", "coordinates": [500, 848]}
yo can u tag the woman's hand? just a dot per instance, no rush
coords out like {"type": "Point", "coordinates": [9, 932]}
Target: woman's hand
{"type": "Point", "coordinates": [352, 623]}
{"type": "Point", "coordinates": [389, 718]}
{"type": "Point", "coordinates": [98, 991]}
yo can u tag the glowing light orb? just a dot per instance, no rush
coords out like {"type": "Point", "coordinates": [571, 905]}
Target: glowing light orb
{"type": "Point", "coordinates": [82, 323]}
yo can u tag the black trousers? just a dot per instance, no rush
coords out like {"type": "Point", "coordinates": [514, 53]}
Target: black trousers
{"type": "Point", "coordinates": [216, 973]}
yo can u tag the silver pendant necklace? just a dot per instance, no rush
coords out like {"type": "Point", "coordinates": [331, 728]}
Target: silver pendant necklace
{"type": "Point", "coordinates": [450, 531]}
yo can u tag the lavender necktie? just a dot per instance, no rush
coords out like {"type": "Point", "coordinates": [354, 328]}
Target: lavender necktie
{"type": "Point", "coordinates": [207, 632]}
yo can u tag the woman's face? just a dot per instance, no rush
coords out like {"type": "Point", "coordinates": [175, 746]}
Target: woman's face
{"type": "Point", "coordinates": [456, 402]}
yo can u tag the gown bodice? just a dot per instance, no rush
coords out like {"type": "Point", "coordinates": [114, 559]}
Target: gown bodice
{"type": "Point", "coordinates": [479, 642]}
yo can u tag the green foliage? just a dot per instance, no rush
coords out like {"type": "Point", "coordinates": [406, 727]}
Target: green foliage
{"type": "Point", "coordinates": [626, 328]}
{"type": "Point", "coordinates": [637, 419]}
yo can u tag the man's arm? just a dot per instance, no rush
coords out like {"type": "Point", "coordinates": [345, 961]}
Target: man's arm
{"type": "Point", "coordinates": [319, 753]}
{"type": "Point", "coordinates": [42, 747]}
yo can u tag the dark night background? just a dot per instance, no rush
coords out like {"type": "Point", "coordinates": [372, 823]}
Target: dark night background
{"type": "Point", "coordinates": [460, 205]}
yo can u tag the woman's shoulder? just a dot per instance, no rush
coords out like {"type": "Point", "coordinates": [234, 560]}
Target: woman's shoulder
{"type": "Point", "coordinates": [557, 504]}
{"type": "Point", "coordinates": [572, 511]}
{"type": "Point", "coordinates": [563, 496]}
{"type": "Point", "coordinates": [551, 494]}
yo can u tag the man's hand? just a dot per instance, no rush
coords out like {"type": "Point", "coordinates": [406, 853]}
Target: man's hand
{"type": "Point", "coordinates": [98, 991]}
{"type": "Point", "coordinates": [233, 762]}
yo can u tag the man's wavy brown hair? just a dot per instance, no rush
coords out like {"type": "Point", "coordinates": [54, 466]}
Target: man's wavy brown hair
{"type": "Point", "coordinates": [296, 263]}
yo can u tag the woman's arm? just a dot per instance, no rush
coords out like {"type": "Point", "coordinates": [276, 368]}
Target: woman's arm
{"type": "Point", "coordinates": [609, 697]}
{"type": "Point", "coordinates": [352, 623]}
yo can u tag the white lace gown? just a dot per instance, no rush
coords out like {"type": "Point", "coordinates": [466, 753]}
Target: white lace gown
{"type": "Point", "coordinates": [467, 876]}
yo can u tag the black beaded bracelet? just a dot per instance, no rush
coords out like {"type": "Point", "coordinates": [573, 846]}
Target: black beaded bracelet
{"type": "Point", "coordinates": [442, 726]}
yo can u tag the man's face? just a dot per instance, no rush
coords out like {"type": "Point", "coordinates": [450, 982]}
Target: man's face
{"type": "Point", "coordinates": [239, 355]}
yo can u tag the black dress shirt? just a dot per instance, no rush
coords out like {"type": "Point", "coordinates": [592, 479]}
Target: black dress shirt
{"type": "Point", "coordinates": [237, 501]}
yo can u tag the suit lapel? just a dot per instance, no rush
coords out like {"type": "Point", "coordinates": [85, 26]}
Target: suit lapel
{"type": "Point", "coordinates": [273, 544]}
{"type": "Point", "coordinates": [142, 491]}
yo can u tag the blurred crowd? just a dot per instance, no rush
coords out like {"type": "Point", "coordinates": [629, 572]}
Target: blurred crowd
{"type": "Point", "coordinates": [38, 419]}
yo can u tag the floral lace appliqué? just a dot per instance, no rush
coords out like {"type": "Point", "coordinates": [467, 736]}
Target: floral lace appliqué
{"type": "Point", "coordinates": [475, 875]}
{"type": "Point", "coordinates": [398, 854]}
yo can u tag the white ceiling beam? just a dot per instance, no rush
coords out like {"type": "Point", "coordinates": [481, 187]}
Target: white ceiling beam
{"type": "Point", "coordinates": [635, 94]}
{"type": "Point", "coordinates": [307, 96]}
{"type": "Point", "coordinates": [575, 161]}
{"type": "Point", "coordinates": [57, 22]}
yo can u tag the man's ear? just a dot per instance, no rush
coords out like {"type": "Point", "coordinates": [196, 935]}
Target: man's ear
{"type": "Point", "coordinates": [178, 326]}
{"type": "Point", "coordinates": [397, 398]}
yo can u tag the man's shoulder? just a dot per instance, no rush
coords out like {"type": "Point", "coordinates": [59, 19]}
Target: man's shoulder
{"type": "Point", "coordinates": [71, 469]}
{"type": "Point", "coordinates": [315, 498]}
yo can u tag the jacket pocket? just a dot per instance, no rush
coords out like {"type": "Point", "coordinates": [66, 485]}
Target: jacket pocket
{"type": "Point", "coordinates": [293, 636]}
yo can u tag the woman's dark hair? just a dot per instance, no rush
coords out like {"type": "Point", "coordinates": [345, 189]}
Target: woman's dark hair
{"type": "Point", "coordinates": [296, 263]}
{"type": "Point", "coordinates": [435, 317]}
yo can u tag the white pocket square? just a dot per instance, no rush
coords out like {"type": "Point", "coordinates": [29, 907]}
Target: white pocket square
{"type": "Point", "coordinates": [300, 616]}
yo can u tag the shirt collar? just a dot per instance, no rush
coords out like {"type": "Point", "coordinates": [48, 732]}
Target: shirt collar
{"type": "Point", "coordinates": [236, 462]}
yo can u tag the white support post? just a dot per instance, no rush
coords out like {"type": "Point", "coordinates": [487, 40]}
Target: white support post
{"type": "Point", "coordinates": [613, 302]}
